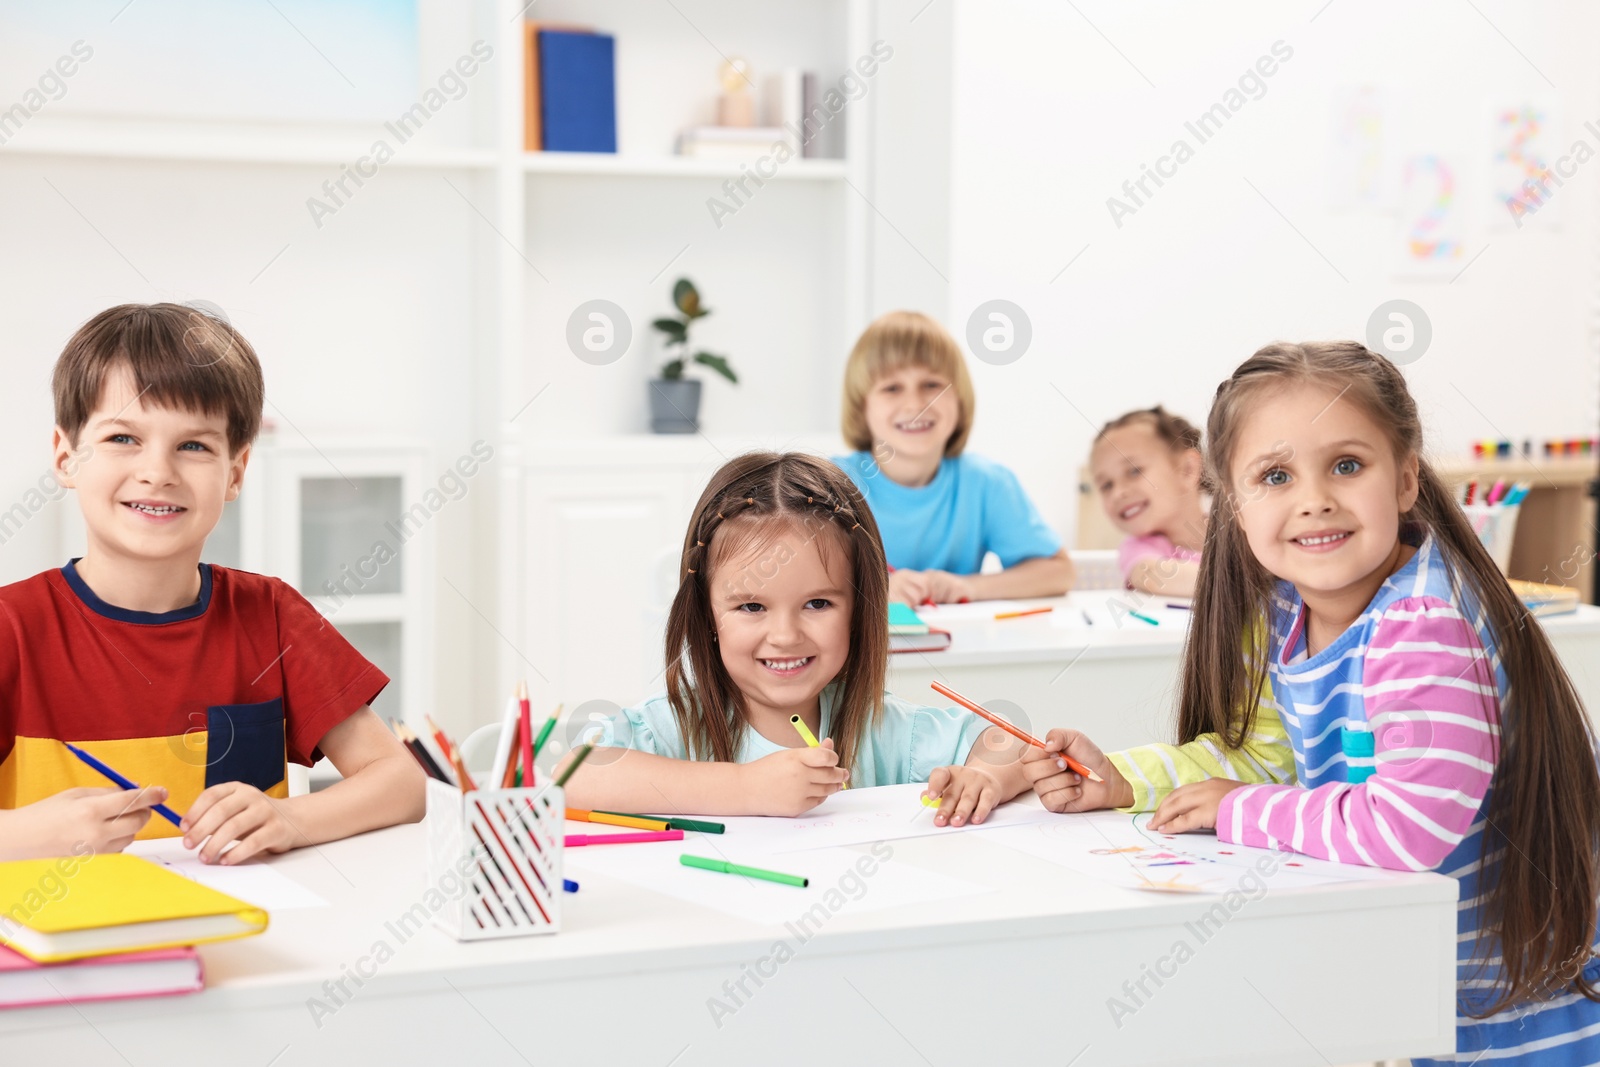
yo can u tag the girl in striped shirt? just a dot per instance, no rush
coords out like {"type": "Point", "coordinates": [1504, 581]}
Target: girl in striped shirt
{"type": "Point", "coordinates": [1395, 706]}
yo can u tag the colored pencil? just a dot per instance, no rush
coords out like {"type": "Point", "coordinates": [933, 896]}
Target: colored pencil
{"type": "Point", "coordinates": [1020, 735]}
{"type": "Point", "coordinates": [674, 823]}
{"type": "Point", "coordinates": [409, 738]}
{"type": "Point", "coordinates": [581, 754]}
{"type": "Point", "coordinates": [580, 840]}
{"type": "Point", "coordinates": [1021, 614]}
{"type": "Point", "coordinates": [1472, 491]}
{"type": "Point", "coordinates": [544, 731]}
{"type": "Point", "coordinates": [724, 867]}
{"type": "Point", "coordinates": [1179, 607]}
{"type": "Point", "coordinates": [526, 738]}
{"type": "Point", "coordinates": [581, 815]}
{"type": "Point", "coordinates": [504, 745]}
{"type": "Point", "coordinates": [451, 755]}
{"type": "Point", "coordinates": [160, 809]}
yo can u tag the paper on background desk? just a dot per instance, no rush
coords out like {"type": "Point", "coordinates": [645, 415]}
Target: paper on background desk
{"type": "Point", "coordinates": [838, 881]}
{"type": "Point", "coordinates": [254, 882]}
{"type": "Point", "coordinates": [979, 610]}
{"type": "Point", "coordinates": [859, 816]}
{"type": "Point", "coordinates": [1109, 609]}
{"type": "Point", "coordinates": [1121, 849]}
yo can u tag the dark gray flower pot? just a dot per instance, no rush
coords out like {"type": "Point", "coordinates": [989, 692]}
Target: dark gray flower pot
{"type": "Point", "coordinates": [675, 405]}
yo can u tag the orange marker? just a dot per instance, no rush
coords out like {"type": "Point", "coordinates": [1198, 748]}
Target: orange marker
{"type": "Point", "coordinates": [1020, 735]}
{"type": "Point", "coordinates": [581, 815]}
{"type": "Point", "coordinates": [1020, 614]}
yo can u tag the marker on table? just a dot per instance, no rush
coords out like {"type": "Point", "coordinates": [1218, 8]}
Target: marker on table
{"type": "Point", "coordinates": [1179, 607]}
{"type": "Point", "coordinates": [808, 737]}
{"type": "Point", "coordinates": [580, 840]}
{"type": "Point", "coordinates": [635, 821]}
{"type": "Point", "coordinates": [673, 822]}
{"type": "Point", "coordinates": [568, 885]}
{"type": "Point", "coordinates": [1020, 735]}
{"type": "Point", "coordinates": [724, 867]}
{"type": "Point", "coordinates": [160, 809]}
{"type": "Point", "coordinates": [1020, 614]}
{"type": "Point", "coordinates": [931, 802]}
{"type": "Point", "coordinates": [1145, 618]}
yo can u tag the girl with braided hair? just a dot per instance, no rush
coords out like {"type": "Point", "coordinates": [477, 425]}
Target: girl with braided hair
{"type": "Point", "coordinates": [782, 611]}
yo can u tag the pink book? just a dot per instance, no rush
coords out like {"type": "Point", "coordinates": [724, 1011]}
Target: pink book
{"type": "Point", "coordinates": [163, 972]}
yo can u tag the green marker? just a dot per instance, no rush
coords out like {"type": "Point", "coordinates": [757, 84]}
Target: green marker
{"type": "Point", "coordinates": [1145, 618]}
{"type": "Point", "coordinates": [724, 867]}
{"type": "Point", "coordinates": [675, 824]}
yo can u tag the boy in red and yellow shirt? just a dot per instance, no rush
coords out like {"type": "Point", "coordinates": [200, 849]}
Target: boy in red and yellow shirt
{"type": "Point", "coordinates": [199, 682]}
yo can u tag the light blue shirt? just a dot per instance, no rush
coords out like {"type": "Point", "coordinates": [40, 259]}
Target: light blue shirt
{"type": "Point", "coordinates": [972, 507]}
{"type": "Point", "coordinates": [909, 742]}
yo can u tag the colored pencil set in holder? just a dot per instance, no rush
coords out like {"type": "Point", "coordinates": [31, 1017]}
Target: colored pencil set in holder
{"type": "Point", "coordinates": [1496, 526]}
{"type": "Point", "coordinates": [505, 847]}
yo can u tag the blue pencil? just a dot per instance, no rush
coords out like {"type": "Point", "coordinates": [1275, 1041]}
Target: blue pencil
{"type": "Point", "coordinates": [160, 809]}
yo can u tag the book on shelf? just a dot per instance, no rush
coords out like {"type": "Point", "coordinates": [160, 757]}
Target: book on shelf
{"type": "Point", "coordinates": [569, 89]}
{"type": "Point", "coordinates": [785, 103]}
{"type": "Point", "coordinates": [739, 144]}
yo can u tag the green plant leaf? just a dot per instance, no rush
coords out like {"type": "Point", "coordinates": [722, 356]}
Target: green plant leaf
{"type": "Point", "coordinates": [686, 298]}
{"type": "Point", "coordinates": [718, 364]}
{"type": "Point", "coordinates": [673, 328]}
{"type": "Point", "coordinates": [672, 370]}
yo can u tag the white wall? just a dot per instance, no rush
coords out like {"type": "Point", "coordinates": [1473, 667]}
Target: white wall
{"type": "Point", "coordinates": [1049, 120]}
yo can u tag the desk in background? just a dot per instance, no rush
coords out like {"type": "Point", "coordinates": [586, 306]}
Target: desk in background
{"type": "Point", "coordinates": [1117, 680]}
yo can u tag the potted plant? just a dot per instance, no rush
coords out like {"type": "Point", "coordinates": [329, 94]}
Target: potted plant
{"type": "Point", "coordinates": [674, 399]}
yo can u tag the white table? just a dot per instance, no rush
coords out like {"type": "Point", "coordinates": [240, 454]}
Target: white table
{"type": "Point", "coordinates": [1118, 680]}
{"type": "Point", "coordinates": [1019, 975]}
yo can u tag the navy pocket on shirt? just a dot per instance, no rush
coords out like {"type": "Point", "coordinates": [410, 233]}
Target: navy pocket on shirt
{"type": "Point", "coordinates": [244, 743]}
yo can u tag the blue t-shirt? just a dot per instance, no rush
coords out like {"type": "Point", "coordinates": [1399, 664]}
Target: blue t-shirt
{"type": "Point", "coordinates": [909, 742]}
{"type": "Point", "coordinates": [973, 506]}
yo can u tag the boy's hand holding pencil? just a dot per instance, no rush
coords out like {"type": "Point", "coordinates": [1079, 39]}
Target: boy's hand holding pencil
{"type": "Point", "coordinates": [1062, 789]}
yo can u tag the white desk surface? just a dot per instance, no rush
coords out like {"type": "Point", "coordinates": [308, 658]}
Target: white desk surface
{"type": "Point", "coordinates": [1033, 638]}
{"type": "Point", "coordinates": [1118, 680]}
{"type": "Point", "coordinates": [1359, 972]}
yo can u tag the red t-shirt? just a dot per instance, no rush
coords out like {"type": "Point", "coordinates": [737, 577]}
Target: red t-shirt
{"type": "Point", "coordinates": [225, 690]}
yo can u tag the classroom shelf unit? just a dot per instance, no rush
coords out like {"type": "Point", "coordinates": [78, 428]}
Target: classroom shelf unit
{"type": "Point", "coordinates": [455, 271]}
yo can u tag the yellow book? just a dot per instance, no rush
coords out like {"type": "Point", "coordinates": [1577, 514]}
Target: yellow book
{"type": "Point", "coordinates": [1542, 599]}
{"type": "Point", "coordinates": [67, 908]}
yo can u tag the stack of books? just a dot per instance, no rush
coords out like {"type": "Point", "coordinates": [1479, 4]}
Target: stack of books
{"type": "Point", "coordinates": [108, 927]}
{"type": "Point", "coordinates": [1542, 599]}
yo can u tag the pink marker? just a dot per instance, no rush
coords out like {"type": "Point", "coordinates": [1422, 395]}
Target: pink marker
{"type": "Point", "coordinates": [579, 840]}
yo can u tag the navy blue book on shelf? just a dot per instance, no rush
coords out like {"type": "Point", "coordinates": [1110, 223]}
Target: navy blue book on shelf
{"type": "Point", "coordinates": [578, 91]}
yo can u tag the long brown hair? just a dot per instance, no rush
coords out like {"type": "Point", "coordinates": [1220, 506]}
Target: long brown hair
{"type": "Point", "coordinates": [760, 495]}
{"type": "Point", "coordinates": [1543, 816]}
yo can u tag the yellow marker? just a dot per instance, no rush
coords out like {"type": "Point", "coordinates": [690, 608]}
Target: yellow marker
{"type": "Point", "coordinates": [930, 802]}
{"type": "Point", "coordinates": [807, 736]}
{"type": "Point", "coordinates": [805, 731]}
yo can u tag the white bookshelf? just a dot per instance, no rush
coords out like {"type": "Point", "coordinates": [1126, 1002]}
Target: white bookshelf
{"type": "Point", "coordinates": [434, 313]}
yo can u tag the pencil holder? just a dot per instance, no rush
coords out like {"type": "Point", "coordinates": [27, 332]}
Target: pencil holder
{"type": "Point", "coordinates": [495, 857]}
{"type": "Point", "coordinates": [1495, 525]}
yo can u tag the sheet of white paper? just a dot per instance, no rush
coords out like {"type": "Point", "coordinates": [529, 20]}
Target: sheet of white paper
{"type": "Point", "coordinates": [1113, 611]}
{"type": "Point", "coordinates": [858, 816]}
{"type": "Point", "coordinates": [1121, 849]}
{"type": "Point", "coordinates": [254, 882]}
{"type": "Point", "coordinates": [840, 882]}
{"type": "Point", "coordinates": [978, 610]}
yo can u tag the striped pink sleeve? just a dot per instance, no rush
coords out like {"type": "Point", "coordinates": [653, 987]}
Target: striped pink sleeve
{"type": "Point", "coordinates": [1433, 706]}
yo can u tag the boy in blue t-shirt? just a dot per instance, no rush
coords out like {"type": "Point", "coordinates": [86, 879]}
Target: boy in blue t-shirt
{"type": "Point", "coordinates": [908, 407]}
